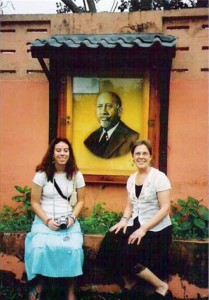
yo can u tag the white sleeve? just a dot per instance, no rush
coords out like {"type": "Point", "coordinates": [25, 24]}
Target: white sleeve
{"type": "Point", "coordinates": [162, 182]}
{"type": "Point", "coordinates": [40, 178]}
{"type": "Point", "coordinates": [79, 179]}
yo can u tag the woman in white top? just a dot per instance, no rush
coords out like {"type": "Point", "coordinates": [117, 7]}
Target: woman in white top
{"type": "Point", "coordinates": [138, 245]}
{"type": "Point", "coordinates": [53, 248]}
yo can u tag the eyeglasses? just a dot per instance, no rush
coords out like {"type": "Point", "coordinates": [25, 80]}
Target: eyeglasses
{"type": "Point", "coordinates": [144, 154]}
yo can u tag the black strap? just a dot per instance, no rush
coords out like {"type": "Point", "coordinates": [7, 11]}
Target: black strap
{"type": "Point", "coordinates": [59, 190]}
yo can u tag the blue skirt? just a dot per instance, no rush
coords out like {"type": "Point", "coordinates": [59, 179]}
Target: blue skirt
{"type": "Point", "coordinates": [48, 254]}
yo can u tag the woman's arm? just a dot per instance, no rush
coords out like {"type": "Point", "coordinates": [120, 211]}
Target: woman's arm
{"type": "Point", "coordinates": [123, 222]}
{"type": "Point", "coordinates": [81, 199]}
{"type": "Point", "coordinates": [36, 206]}
{"type": "Point", "coordinates": [78, 207]}
{"type": "Point", "coordinates": [35, 202]}
{"type": "Point", "coordinates": [164, 202]}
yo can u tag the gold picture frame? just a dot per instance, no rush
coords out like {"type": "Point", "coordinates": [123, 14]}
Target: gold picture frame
{"type": "Point", "coordinates": [81, 107]}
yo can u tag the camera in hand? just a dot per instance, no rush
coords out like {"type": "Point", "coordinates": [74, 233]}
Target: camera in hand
{"type": "Point", "coordinates": [62, 222]}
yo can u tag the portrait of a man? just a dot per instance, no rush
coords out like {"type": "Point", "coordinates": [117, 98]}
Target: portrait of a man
{"type": "Point", "coordinates": [113, 138]}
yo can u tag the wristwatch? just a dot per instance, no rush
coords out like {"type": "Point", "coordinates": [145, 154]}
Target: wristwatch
{"type": "Point", "coordinates": [72, 217]}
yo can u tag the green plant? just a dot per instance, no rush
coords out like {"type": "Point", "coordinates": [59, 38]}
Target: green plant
{"type": "Point", "coordinates": [21, 217]}
{"type": "Point", "coordinates": [100, 219]}
{"type": "Point", "coordinates": [12, 293]}
{"type": "Point", "coordinates": [189, 219]}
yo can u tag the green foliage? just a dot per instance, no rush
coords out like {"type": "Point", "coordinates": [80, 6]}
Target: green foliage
{"type": "Point", "coordinates": [12, 293]}
{"type": "Point", "coordinates": [190, 219]}
{"type": "Point", "coordinates": [20, 218]}
{"type": "Point", "coordinates": [100, 219]}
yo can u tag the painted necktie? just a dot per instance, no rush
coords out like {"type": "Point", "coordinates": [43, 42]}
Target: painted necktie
{"type": "Point", "coordinates": [104, 138]}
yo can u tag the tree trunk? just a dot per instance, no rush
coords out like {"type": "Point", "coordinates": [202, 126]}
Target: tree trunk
{"type": "Point", "coordinates": [92, 6]}
{"type": "Point", "coordinates": [72, 6]}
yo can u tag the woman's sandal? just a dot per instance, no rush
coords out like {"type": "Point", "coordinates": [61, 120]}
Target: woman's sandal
{"type": "Point", "coordinates": [157, 296]}
{"type": "Point", "coordinates": [33, 293]}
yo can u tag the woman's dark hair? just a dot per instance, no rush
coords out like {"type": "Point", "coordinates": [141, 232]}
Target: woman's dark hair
{"type": "Point", "coordinates": [142, 142]}
{"type": "Point", "coordinates": [47, 165]}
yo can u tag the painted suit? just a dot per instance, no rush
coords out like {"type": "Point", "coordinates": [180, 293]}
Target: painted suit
{"type": "Point", "coordinates": [119, 143]}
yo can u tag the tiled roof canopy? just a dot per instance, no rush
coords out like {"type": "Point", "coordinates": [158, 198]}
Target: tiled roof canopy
{"type": "Point", "coordinates": [110, 56]}
{"type": "Point", "coordinates": [103, 54]}
{"type": "Point", "coordinates": [109, 41]}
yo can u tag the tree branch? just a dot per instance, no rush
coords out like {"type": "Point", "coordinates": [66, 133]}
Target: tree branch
{"type": "Point", "coordinates": [92, 6]}
{"type": "Point", "coordinates": [72, 6]}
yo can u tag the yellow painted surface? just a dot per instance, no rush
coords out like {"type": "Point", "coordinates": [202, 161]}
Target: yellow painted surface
{"type": "Point", "coordinates": [134, 96]}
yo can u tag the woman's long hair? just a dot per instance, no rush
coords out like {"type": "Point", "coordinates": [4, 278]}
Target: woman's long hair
{"type": "Point", "coordinates": [47, 165]}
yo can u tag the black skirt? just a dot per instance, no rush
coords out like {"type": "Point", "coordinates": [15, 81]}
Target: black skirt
{"type": "Point", "coordinates": [117, 256]}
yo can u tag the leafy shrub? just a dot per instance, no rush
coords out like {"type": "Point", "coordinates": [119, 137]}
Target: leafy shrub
{"type": "Point", "coordinates": [20, 218]}
{"type": "Point", "coordinates": [189, 219]}
{"type": "Point", "coordinates": [100, 219]}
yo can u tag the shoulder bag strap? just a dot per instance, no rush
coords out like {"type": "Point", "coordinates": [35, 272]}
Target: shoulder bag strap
{"type": "Point", "coordinates": [59, 190]}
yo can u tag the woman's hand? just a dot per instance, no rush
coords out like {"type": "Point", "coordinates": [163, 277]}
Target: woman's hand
{"type": "Point", "coordinates": [120, 225]}
{"type": "Point", "coordinates": [137, 235]}
{"type": "Point", "coordinates": [71, 221]}
{"type": "Point", "coordinates": [53, 225]}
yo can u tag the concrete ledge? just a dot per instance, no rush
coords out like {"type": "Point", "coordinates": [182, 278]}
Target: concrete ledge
{"type": "Point", "coordinates": [189, 269]}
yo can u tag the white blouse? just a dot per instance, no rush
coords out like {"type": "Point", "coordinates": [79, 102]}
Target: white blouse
{"type": "Point", "coordinates": [52, 203]}
{"type": "Point", "coordinates": [147, 205]}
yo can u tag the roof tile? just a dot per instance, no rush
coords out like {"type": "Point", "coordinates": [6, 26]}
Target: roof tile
{"type": "Point", "coordinates": [143, 40]}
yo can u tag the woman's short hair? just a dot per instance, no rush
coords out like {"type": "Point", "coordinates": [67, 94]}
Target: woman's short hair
{"type": "Point", "coordinates": [147, 143]}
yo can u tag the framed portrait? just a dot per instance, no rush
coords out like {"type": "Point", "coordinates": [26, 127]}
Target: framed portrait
{"type": "Point", "coordinates": [82, 96]}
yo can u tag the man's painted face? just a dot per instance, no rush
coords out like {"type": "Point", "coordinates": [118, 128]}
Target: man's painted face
{"type": "Point", "coordinates": [108, 112]}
